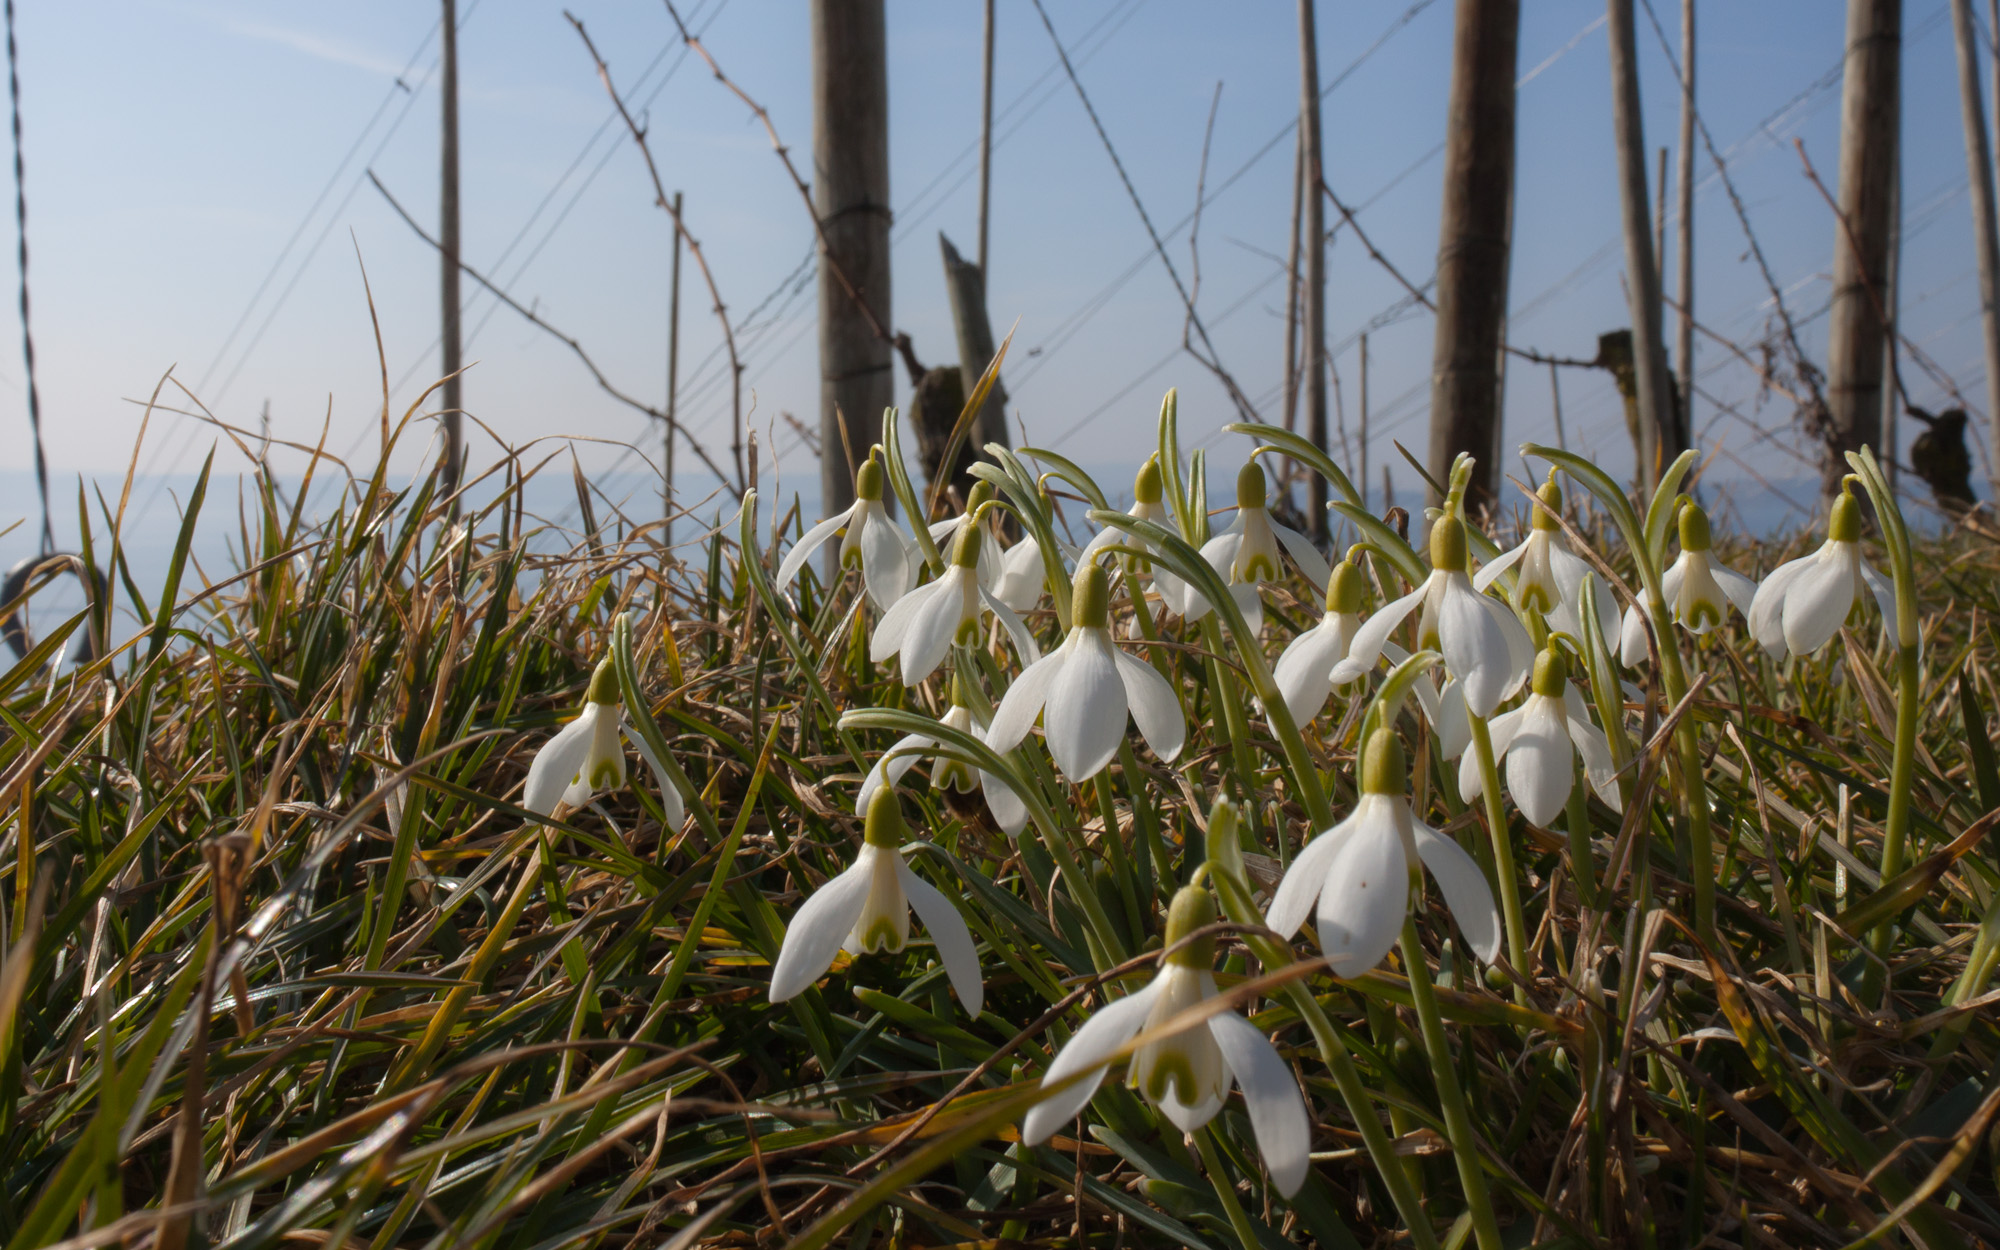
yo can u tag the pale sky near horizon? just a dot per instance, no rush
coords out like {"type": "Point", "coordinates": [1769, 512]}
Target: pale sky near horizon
{"type": "Point", "coordinates": [174, 147]}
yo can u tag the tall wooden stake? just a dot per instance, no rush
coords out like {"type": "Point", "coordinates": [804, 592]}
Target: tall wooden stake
{"type": "Point", "coordinates": [850, 84]}
{"type": "Point", "coordinates": [1870, 111]}
{"type": "Point", "coordinates": [1292, 284]}
{"type": "Point", "coordinates": [1314, 353]}
{"type": "Point", "coordinates": [453, 397]}
{"type": "Point", "coordinates": [965, 291]}
{"type": "Point", "coordinates": [1641, 267]}
{"type": "Point", "coordinates": [1474, 239]}
{"type": "Point", "coordinates": [1985, 233]}
{"type": "Point", "coordinates": [985, 139]}
{"type": "Point", "coordinates": [673, 371]}
{"type": "Point", "coordinates": [1684, 232]}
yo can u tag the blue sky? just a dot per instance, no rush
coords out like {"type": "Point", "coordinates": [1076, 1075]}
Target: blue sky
{"type": "Point", "coordinates": [175, 146]}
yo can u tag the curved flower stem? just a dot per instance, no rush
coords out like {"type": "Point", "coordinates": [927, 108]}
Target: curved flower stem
{"type": "Point", "coordinates": [1457, 1121]}
{"type": "Point", "coordinates": [1902, 777]}
{"type": "Point", "coordinates": [1239, 906]}
{"type": "Point", "coordinates": [1503, 855]}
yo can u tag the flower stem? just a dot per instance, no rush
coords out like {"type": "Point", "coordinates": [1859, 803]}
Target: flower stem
{"type": "Point", "coordinates": [1225, 1190]}
{"type": "Point", "coordinates": [1503, 855]}
{"type": "Point", "coordinates": [1902, 777]}
{"type": "Point", "coordinates": [1457, 1121]}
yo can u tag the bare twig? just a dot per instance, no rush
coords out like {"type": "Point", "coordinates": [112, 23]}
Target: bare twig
{"type": "Point", "coordinates": [533, 318]}
{"type": "Point", "coordinates": [666, 203]}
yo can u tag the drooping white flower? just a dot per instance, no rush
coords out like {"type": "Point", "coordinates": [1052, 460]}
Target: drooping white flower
{"type": "Point", "coordinates": [945, 533]}
{"type": "Point", "coordinates": [1008, 811]}
{"type": "Point", "coordinates": [1804, 601]}
{"type": "Point", "coordinates": [867, 909]}
{"type": "Point", "coordinates": [921, 626]}
{"type": "Point", "coordinates": [1147, 494]}
{"type": "Point", "coordinates": [1485, 645]}
{"type": "Point", "coordinates": [1247, 553]}
{"type": "Point", "coordinates": [1304, 672]}
{"type": "Point", "coordinates": [1023, 580]}
{"type": "Point", "coordinates": [874, 544]}
{"type": "Point", "coordinates": [586, 758]}
{"type": "Point", "coordinates": [1699, 591]}
{"type": "Point", "coordinates": [1084, 689]}
{"type": "Point", "coordinates": [1548, 575]}
{"type": "Point", "coordinates": [1186, 1075]}
{"type": "Point", "coordinates": [1359, 872]}
{"type": "Point", "coordinates": [1538, 744]}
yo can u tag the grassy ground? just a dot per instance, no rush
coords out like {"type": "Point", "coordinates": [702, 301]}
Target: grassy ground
{"type": "Point", "coordinates": [285, 961]}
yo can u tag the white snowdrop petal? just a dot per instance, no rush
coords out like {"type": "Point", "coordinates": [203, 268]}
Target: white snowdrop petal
{"type": "Point", "coordinates": [891, 767]}
{"type": "Point", "coordinates": [1366, 647]}
{"type": "Point", "coordinates": [1464, 887]}
{"type": "Point", "coordinates": [1019, 585]}
{"type": "Point", "coordinates": [1453, 723]}
{"type": "Point", "coordinates": [810, 541]}
{"type": "Point", "coordinates": [1367, 893]}
{"type": "Point", "coordinates": [556, 763]}
{"type": "Point", "coordinates": [819, 928]}
{"type": "Point", "coordinates": [936, 624]}
{"type": "Point", "coordinates": [1305, 555]}
{"type": "Point", "coordinates": [1739, 589]}
{"type": "Point", "coordinates": [1767, 607]}
{"type": "Point", "coordinates": [1084, 719]}
{"type": "Point", "coordinates": [1632, 649]}
{"type": "Point", "coordinates": [1304, 672]}
{"type": "Point", "coordinates": [1024, 699]}
{"type": "Point", "coordinates": [1885, 598]}
{"type": "Point", "coordinates": [1250, 604]}
{"type": "Point", "coordinates": [949, 935]}
{"type": "Point", "coordinates": [1154, 708]}
{"type": "Point", "coordinates": [1540, 770]}
{"type": "Point", "coordinates": [1490, 571]}
{"type": "Point", "coordinates": [1819, 601]}
{"type": "Point", "coordinates": [670, 795]}
{"type": "Point", "coordinates": [885, 558]}
{"type": "Point", "coordinates": [1271, 1093]}
{"type": "Point", "coordinates": [1476, 650]}
{"type": "Point", "coordinates": [1108, 1028]}
{"type": "Point", "coordinates": [1598, 769]}
{"type": "Point", "coordinates": [1017, 630]}
{"type": "Point", "coordinates": [1305, 878]}
{"type": "Point", "coordinates": [895, 623]}
{"type": "Point", "coordinates": [1009, 812]}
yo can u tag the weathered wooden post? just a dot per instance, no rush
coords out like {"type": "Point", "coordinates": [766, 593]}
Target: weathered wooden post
{"type": "Point", "coordinates": [452, 395]}
{"type": "Point", "coordinates": [1314, 355]}
{"type": "Point", "coordinates": [673, 373]}
{"type": "Point", "coordinates": [1652, 391]}
{"type": "Point", "coordinates": [1985, 236]}
{"type": "Point", "coordinates": [1474, 239]}
{"type": "Point", "coordinates": [965, 287]}
{"type": "Point", "coordinates": [850, 86]}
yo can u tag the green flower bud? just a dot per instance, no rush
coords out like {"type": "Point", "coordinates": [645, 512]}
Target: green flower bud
{"type": "Point", "coordinates": [1146, 487]}
{"type": "Point", "coordinates": [868, 480]}
{"type": "Point", "coordinates": [604, 683]}
{"type": "Point", "coordinates": [1843, 523]}
{"type": "Point", "coordinates": [1552, 495]}
{"type": "Point", "coordinates": [1251, 490]}
{"type": "Point", "coordinates": [1694, 529]}
{"type": "Point", "coordinates": [1448, 545]}
{"type": "Point", "coordinates": [1345, 587]}
{"type": "Point", "coordinates": [1551, 673]}
{"type": "Point", "coordinates": [1090, 597]}
{"type": "Point", "coordinates": [965, 549]}
{"type": "Point", "coordinates": [883, 826]}
{"type": "Point", "coordinates": [1384, 768]}
{"type": "Point", "coordinates": [982, 491]}
{"type": "Point", "coordinates": [1192, 909]}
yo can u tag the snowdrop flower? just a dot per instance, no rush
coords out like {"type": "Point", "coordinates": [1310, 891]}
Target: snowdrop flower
{"type": "Point", "coordinates": [945, 534]}
{"type": "Point", "coordinates": [1547, 573]}
{"type": "Point", "coordinates": [1698, 590]}
{"type": "Point", "coordinates": [867, 909]}
{"type": "Point", "coordinates": [1147, 493]}
{"type": "Point", "coordinates": [921, 626]}
{"type": "Point", "coordinates": [1008, 811]}
{"type": "Point", "coordinates": [1804, 601]}
{"type": "Point", "coordinates": [1188, 1075]}
{"type": "Point", "coordinates": [586, 759]}
{"type": "Point", "coordinates": [1022, 580]}
{"type": "Point", "coordinates": [874, 544]}
{"type": "Point", "coordinates": [1538, 743]}
{"type": "Point", "coordinates": [1246, 554]}
{"type": "Point", "coordinates": [1084, 688]}
{"type": "Point", "coordinates": [1361, 873]}
{"type": "Point", "coordinates": [1485, 646]}
{"type": "Point", "coordinates": [1304, 672]}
